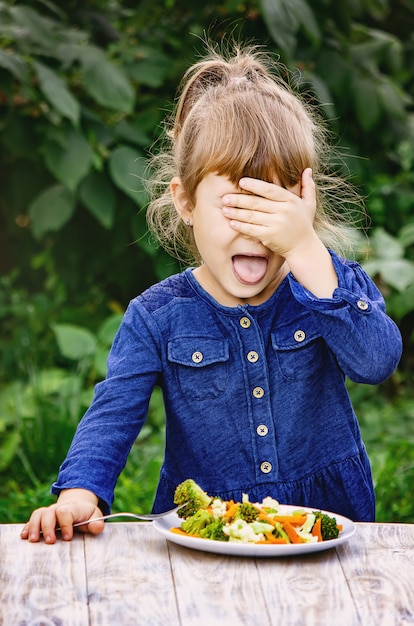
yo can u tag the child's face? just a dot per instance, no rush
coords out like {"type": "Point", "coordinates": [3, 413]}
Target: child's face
{"type": "Point", "coordinates": [236, 269]}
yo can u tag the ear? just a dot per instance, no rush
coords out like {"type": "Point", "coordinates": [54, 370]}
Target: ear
{"type": "Point", "coordinates": [181, 200]}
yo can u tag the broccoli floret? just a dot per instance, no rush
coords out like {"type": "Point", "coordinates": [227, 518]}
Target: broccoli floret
{"type": "Point", "coordinates": [195, 524]}
{"type": "Point", "coordinates": [214, 531]}
{"type": "Point", "coordinates": [194, 498]}
{"type": "Point", "coordinates": [247, 511]}
{"type": "Point", "coordinates": [329, 528]}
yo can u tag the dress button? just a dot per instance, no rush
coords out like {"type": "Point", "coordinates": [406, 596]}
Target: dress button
{"type": "Point", "coordinates": [258, 392]}
{"type": "Point", "coordinates": [266, 467]}
{"type": "Point", "coordinates": [262, 430]}
{"type": "Point", "coordinates": [299, 336]}
{"type": "Point", "coordinates": [197, 357]}
{"type": "Point", "coordinates": [252, 356]}
{"type": "Point", "coordinates": [361, 304]}
{"type": "Point", "coordinates": [245, 322]}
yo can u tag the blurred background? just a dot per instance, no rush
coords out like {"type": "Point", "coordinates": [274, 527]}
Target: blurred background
{"type": "Point", "coordinates": [84, 87]}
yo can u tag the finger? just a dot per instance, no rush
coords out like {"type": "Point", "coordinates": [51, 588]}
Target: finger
{"type": "Point", "coordinates": [65, 520]}
{"type": "Point", "coordinates": [95, 528]}
{"type": "Point", "coordinates": [248, 216]}
{"type": "Point", "coordinates": [32, 530]}
{"type": "Point", "coordinates": [308, 193]}
{"type": "Point", "coordinates": [48, 524]}
{"type": "Point", "coordinates": [257, 187]}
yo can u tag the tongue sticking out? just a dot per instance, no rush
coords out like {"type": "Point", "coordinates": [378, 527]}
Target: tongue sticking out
{"type": "Point", "coordinates": [249, 269]}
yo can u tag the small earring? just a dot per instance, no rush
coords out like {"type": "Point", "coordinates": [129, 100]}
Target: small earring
{"type": "Point", "coordinates": [188, 223]}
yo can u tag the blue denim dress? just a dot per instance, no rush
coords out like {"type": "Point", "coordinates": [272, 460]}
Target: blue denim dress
{"type": "Point", "coordinates": [255, 396]}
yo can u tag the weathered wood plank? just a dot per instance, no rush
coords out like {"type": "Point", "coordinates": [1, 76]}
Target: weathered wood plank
{"type": "Point", "coordinates": [129, 577]}
{"type": "Point", "coordinates": [217, 590]}
{"type": "Point", "coordinates": [378, 564]}
{"type": "Point", "coordinates": [308, 589]}
{"type": "Point", "coordinates": [39, 583]}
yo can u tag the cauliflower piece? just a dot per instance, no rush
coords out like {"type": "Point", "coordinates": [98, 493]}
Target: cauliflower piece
{"type": "Point", "coordinates": [218, 507]}
{"type": "Point", "coordinates": [241, 531]}
{"type": "Point", "coordinates": [270, 503]}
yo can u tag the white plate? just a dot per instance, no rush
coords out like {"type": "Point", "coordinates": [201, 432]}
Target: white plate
{"type": "Point", "coordinates": [164, 525]}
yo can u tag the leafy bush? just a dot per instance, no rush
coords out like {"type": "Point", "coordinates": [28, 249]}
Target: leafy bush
{"type": "Point", "coordinates": [83, 89]}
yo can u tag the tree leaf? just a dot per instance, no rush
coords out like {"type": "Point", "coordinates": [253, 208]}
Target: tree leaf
{"type": "Point", "coordinates": [70, 162]}
{"type": "Point", "coordinates": [108, 329]}
{"type": "Point", "coordinates": [106, 82]}
{"type": "Point", "coordinates": [151, 67]}
{"type": "Point", "coordinates": [307, 20]}
{"type": "Point", "coordinates": [12, 62]}
{"type": "Point", "coordinates": [34, 28]}
{"type": "Point", "coordinates": [282, 24]}
{"type": "Point", "coordinates": [56, 92]}
{"type": "Point", "coordinates": [74, 342]}
{"type": "Point", "coordinates": [386, 246]}
{"type": "Point", "coordinates": [51, 210]}
{"type": "Point", "coordinates": [284, 18]}
{"type": "Point", "coordinates": [392, 99]}
{"type": "Point", "coordinates": [98, 196]}
{"type": "Point", "coordinates": [366, 99]}
{"type": "Point", "coordinates": [399, 273]}
{"type": "Point", "coordinates": [406, 235]}
{"type": "Point", "coordinates": [127, 168]}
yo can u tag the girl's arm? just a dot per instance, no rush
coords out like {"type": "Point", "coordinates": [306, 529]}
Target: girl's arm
{"type": "Point", "coordinates": [105, 434]}
{"type": "Point", "coordinates": [365, 340]}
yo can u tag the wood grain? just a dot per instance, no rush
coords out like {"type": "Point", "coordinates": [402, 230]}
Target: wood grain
{"type": "Point", "coordinates": [131, 576]}
{"type": "Point", "coordinates": [39, 584]}
{"type": "Point", "coordinates": [217, 590]}
{"type": "Point", "coordinates": [309, 590]}
{"type": "Point", "coordinates": [378, 565]}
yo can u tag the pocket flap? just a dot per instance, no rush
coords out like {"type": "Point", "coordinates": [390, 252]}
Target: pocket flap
{"type": "Point", "coordinates": [197, 351]}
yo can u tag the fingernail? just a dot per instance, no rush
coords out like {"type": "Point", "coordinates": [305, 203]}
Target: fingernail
{"type": "Point", "coordinates": [226, 200]}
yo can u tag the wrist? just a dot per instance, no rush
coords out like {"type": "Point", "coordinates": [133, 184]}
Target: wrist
{"type": "Point", "coordinates": [313, 268]}
{"type": "Point", "coordinates": [70, 495]}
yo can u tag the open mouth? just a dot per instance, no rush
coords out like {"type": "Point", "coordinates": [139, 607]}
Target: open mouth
{"type": "Point", "coordinates": [249, 270]}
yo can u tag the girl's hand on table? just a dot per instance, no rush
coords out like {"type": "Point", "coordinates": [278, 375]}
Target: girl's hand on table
{"type": "Point", "coordinates": [73, 506]}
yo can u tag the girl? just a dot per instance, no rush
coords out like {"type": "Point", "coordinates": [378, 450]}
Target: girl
{"type": "Point", "coordinates": [251, 346]}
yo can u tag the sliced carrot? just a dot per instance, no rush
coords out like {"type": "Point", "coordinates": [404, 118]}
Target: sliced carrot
{"type": "Point", "coordinates": [339, 527]}
{"type": "Point", "coordinates": [231, 511]}
{"type": "Point", "coordinates": [266, 518]}
{"type": "Point", "coordinates": [179, 531]}
{"type": "Point", "coordinates": [291, 532]}
{"type": "Point", "coordinates": [317, 529]}
{"type": "Point", "coordinates": [274, 540]}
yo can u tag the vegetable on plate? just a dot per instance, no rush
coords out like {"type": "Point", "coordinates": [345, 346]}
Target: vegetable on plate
{"type": "Point", "coordinates": [267, 522]}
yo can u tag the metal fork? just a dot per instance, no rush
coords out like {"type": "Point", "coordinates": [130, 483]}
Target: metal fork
{"type": "Point", "coordinates": [141, 516]}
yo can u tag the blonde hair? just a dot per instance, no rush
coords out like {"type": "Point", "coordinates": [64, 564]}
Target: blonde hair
{"type": "Point", "coordinates": [236, 117]}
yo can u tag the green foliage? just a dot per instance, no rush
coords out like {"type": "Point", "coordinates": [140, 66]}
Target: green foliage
{"type": "Point", "coordinates": [83, 90]}
{"type": "Point", "coordinates": [387, 426]}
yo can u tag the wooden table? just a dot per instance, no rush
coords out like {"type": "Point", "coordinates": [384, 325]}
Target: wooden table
{"type": "Point", "coordinates": [130, 575]}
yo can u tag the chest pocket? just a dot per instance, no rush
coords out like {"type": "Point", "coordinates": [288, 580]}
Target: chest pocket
{"type": "Point", "coordinates": [201, 365]}
{"type": "Point", "coordinates": [300, 351]}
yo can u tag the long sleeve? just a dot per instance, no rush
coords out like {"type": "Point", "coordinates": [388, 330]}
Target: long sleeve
{"type": "Point", "coordinates": [354, 324]}
{"type": "Point", "coordinates": [110, 426]}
